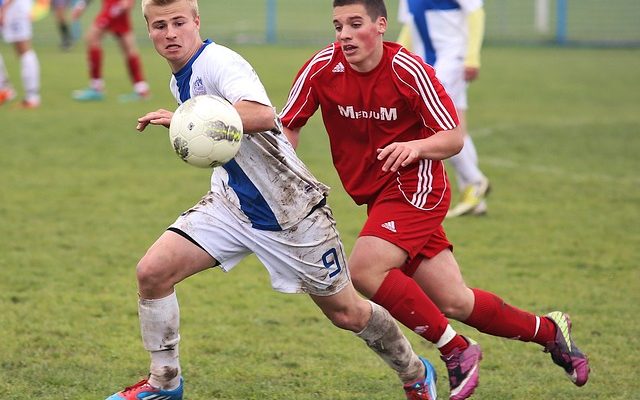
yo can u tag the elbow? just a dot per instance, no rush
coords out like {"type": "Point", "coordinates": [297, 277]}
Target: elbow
{"type": "Point", "coordinates": [457, 146]}
{"type": "Point", "coordinates": [458, 142]}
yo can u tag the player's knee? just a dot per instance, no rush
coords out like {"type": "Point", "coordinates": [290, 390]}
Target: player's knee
{"type": "Point", "coordinates": [352, 316]}
{"type": "Point", "coordinates": [367, 278]}
{"type": "Point", "coordinates": [344, 320]}
{"type": "Point", "coordinates": [359, 275]}
{"type": "Point", "coordinates": [152, 277]}
{"type": "Point", "coordinates": [457, 308]}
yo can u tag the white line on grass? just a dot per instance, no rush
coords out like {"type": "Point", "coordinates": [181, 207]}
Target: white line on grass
{"type": "Point", "coordinates": [509, 164]}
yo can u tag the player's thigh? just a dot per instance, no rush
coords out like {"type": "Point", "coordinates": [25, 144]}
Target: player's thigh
{"type": "Point", "coordinates": [395, 232]}
{"type": "Point", "coordinates": [120, 25]}
{"type": "Point", "coordinates": [127, 43]}
{"type": "Point", "coordinates": [94, 35]}
{"type": "Point", "coordinates": [306, 258]}
{"type": "Point", "coordinates": [173, 258]}
{"type": "Point", "coordinates": [371, 259]}
{"type": "Point", "coordinates": [440, 278]}
{"type": "Point", "coordinates": [212, 227]}
{"type": "Point", "coordinates": [376, 254]}
{"type": "Point", "coordinates": [346, 309]}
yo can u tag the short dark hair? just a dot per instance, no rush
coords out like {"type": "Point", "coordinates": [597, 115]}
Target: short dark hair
{"type": "Point", "coordinates": [375, 8]}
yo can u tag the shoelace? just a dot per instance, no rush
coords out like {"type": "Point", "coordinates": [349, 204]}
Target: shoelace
{"type": "Point", "coordinates": [135, 386]}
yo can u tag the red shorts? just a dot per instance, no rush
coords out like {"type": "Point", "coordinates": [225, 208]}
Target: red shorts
{"type": "Point", "coordinates": [113, 21]}
{"type": "Point", "coordinates": [418, 232]}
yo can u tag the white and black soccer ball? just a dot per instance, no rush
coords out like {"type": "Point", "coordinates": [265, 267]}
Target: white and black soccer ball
{"type": "Point", "coordinates": [206, 131]}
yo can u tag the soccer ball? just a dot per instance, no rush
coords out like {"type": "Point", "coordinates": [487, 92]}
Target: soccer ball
{"type": "Point", "coordinates": [206, 131]}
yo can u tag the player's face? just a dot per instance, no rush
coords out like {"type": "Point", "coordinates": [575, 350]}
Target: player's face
{"type": "Point", "coordinates": [359, 36]}
{"type": "Point", "coordinates": [174, 31]}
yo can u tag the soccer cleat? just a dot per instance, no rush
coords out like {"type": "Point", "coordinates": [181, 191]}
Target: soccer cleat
{"type": "Point", "coordinates": [472, 200]}
{"type": "Point", "coordinates": [88, 94]}
{"type": "Point", "coordinates": [6, 95]}
{"type": "Point", "coordinates": [462, 367]}
{"type": "Point", "coordinates": [425, 389]}
{"type": "Point", "coordinates": [565, 353]}
{"type": "Point", "coordinates": [133, 97]}
{"type": "Point", "coordinates": [29, 104]}
{"type": "Point", "coordinates": [144, 391]}
{"type": "Point", "coordinates": [481, 209]}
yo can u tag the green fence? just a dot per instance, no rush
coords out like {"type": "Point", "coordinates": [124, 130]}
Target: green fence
{"type": "Point", "coordinates": [301, 22]}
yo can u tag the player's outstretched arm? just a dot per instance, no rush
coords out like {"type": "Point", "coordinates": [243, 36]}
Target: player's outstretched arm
{"type": "Point", "coordinates": [158, 117]}
{"type": "Point", "coordinates": [255, 117]}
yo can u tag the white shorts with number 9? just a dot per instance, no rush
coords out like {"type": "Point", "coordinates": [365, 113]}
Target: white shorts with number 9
{"type": "Point", "coordinates": [307, 258]}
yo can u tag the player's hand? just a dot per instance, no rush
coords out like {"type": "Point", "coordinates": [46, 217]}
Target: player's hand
{"type": "Point", "coordinates": [158, 117]}
{"type": "Point", "coordinates": [471, 73]}
{"type": "Point", "coordinates": [399, 154]}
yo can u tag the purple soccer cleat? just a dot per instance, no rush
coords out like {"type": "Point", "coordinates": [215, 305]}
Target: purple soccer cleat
{"type": "Point", "coordinates": [463, 371]}
{"type": "Point", "coordinates": [565, 353]}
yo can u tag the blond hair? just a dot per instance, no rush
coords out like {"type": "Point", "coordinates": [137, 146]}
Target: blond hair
{"type": "Point", "coordinates": [146, 3]}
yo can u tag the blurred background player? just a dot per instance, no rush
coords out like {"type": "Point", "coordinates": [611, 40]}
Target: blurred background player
{"type": "Point", "coordinates": [69, 32]}
{"type": "Point", "coordinates": [6, 90]}
{"type": "Point", "coordinates": [115, 18]}
{"type": "Point", "coordinates": [448, 35]}
{"type": "Point", "coordinates": [15, 21]}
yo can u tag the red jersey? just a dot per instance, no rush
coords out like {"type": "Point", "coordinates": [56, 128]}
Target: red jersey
{"type": "Point", "coordinates": [400, 100]}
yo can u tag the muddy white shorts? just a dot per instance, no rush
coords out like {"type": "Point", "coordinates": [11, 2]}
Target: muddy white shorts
{"type": "Point", "coordinates": [306, 258]}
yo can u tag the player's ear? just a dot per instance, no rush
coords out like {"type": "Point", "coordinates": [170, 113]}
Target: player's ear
{"type": "Point", "coordinates": [381, 23]}
{"type": "Point", "coordinates": [197, 21]}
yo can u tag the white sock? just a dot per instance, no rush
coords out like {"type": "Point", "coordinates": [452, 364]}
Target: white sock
{"type": "Point", "coordinates": [141, 87]}
{"type": "Point", "coordinates": [466, 164]}
{"type": "Point", "coordinates": [385, 338]}
{"type": "Point", "coordinates": [446, 337]}
{"type": "Point", "coordinates": [159, 325]}
{"type": "Point", "coordinates": [30, 68]}
{"type": "Point", "coordinates": [97, 84]}
{"type": "Point", "coordinates": [4, 76]}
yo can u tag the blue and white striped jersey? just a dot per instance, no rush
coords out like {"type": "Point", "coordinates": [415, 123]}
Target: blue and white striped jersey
{"type": "Point", "coordinates": [441, 25]}
{"type": "Point", "coordinates": [266, 183]}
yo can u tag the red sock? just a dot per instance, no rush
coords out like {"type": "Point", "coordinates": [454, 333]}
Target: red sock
{"type": "Point", "coordinates": [457, 342]}
{"type": "Point", "coordinates": [95, 62]}
{"type": "Point", "coordinates": [407, 303]}
{"type": "Point", "coordinates": [135, 69]}
{"type": "Point", "coordinates": [493, 316]}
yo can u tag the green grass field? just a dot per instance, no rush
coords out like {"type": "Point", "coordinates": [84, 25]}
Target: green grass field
{"type": "Point", "coordinates": [82, 196]}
